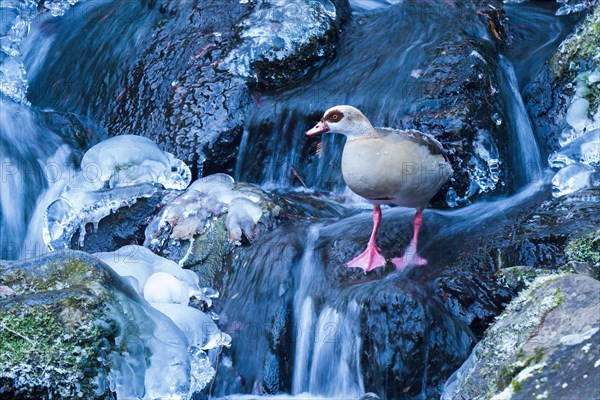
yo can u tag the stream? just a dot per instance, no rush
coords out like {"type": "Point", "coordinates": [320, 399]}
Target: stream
{"type": "Point", "coordinates": [301, 326]}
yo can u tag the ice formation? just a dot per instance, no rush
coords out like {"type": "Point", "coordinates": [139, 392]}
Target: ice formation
{"type": "Point", "coordinates": [572, 6]}
{"type": "Point", "coordinates": [168, 288]}
{"type": "Point", "coordinates": [571, 179]}
{"type": "Point", "coordinates": [487, 171]}
{"type": "Point", "coordinates": [242, 218]}
{"type": "Point", "coordinates": [128, 160]}
{"type": "Point", "coordinates": [579, 156]}
{"type": "Point", "coordinates": [157, 366]}
{"type": "Point", "coordinates": [190, 213]}
{"type": "Point", "coordinates": [114, 173]}
{"type": "Point", "coordinates": [276, 29]}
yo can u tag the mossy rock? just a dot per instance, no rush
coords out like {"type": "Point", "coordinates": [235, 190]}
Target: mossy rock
{"type": "Point", "coordinates": [71, 328]}
{"type": "Point", "coordinates": [554, 320]}
{"type": "Point", "coordinates": [210, 252]}
{"type": "Point", "coordinates": [50, 347]}
{"type": "Point", "coordinates": [585, 249]}
{"type": "Point", "coordinates": [581, 49]}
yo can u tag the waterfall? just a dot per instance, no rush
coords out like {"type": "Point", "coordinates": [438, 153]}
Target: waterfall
{"type": "Point", "coordinates": [32, 159]}
{"type": "Point", "coordinates": [527, 152]}
{"type": "Point", "coordinates": [328, 342]}
{"type": "Point", "coordinates": [304, 314]}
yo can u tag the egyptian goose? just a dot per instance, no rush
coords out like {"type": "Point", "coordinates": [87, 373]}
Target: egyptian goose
{"type": "Point", "coordinates": [387, 166]}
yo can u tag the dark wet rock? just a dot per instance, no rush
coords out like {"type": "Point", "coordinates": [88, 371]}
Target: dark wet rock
{"type": "Point", "coordinates": [460, 106]}
{"type": "Point", "coordinates": [122, 227]}
{"type": "Point", "coordinates": [72, 326]}
{"type": "Point", "coordinates": [176, 95]}
{"type": "Point", "coordinates": [540, 237]}
{"type": "Point", "coordinates": [411, 333]}
{"type": "Point", "coordinates": [415, 327]}
{"type": "Point", "coordinates": [78, 132]}
{"type": "Point", "coordinates": [202, 102]}
{"type": "Point", "coordinates": [418, 324]}
{"type": "Point", "coordinates": [165, 80]}
{"type": "Point", "coordinates": [258, 314]}
{"type": "Point", "coordinates": [409, 344]}
{"type": "Point", "coordinates": [281, 41]}
{"type": "Point", "coordinates": [545, 342]}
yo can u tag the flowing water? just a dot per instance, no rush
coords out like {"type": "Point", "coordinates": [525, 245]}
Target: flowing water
{"type": "Point", "coordinates": [283, 280]}
{"type": "Point", "coordinates": [528, 160]}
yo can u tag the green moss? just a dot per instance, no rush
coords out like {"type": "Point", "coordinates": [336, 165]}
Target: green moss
{"type": "Point", "coordinates": [585, 249]}
{"type": "Point", "coordinates": [521, 361]}
{"type": "Point", "coordinates": [579, 48]}
{"type": "Point", "coordinates": [539, 354]}
{"type": "Point", "coordinates": [559, 298]}
{"type": "Point", "coordinates": [209, 251]}
{"type": "Point", "coordinates": [516, 385]}
{"type": "Point", "coordinates": [54, 276]}
{"type": "Point", "coordinates": [556, 365]}
{"type": "Point", "coordinates": [40, 350]}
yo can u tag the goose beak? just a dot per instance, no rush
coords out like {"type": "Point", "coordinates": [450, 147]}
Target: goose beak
{"type": "Point", "coordinates": [319, 128]}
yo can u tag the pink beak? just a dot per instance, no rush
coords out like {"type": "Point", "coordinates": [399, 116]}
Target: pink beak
{"type": "Point", "coordinates": [321, 127]}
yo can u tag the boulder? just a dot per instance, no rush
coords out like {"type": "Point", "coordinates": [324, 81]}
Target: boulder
{"type": "Point", "coordinates": [72, 328]}
{"type": "Point", "coordinates": [123, 226]}
{"type": "Point", "coordinates": [544, 345]}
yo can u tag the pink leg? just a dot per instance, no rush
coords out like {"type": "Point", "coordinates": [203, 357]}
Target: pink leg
{"type": "Point", "coordinates": [370, 258]}
{"type": "Point", "coordinates": [411, 257]}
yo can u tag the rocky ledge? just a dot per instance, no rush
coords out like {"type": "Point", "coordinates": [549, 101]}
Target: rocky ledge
{"type": "Point", "coordinates": [546, 344]}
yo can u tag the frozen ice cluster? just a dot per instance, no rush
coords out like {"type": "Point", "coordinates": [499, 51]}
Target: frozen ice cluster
{"type": "Point", "coordinates": [578, 159]}
{"type": "Point", "coordinates": [190, 213]}
{"type": "Point", "coordinates": [276, 29]}
{"type": "Point", "coordinates": [114, 173]}
{"type": "Point", "coordinates": [484, 169]}
{"type": "Point", "coordinates": [568, 6]}
{"type": "Point", "coordinates": [571, 6]}
{"type": "Point", "coordinates": [168, 288]}
{"type": "Point", "coordinates": [14, 27]}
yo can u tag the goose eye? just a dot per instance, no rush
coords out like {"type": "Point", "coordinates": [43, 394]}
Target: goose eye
{"type": "Point", "coordinates": [335, 117]}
